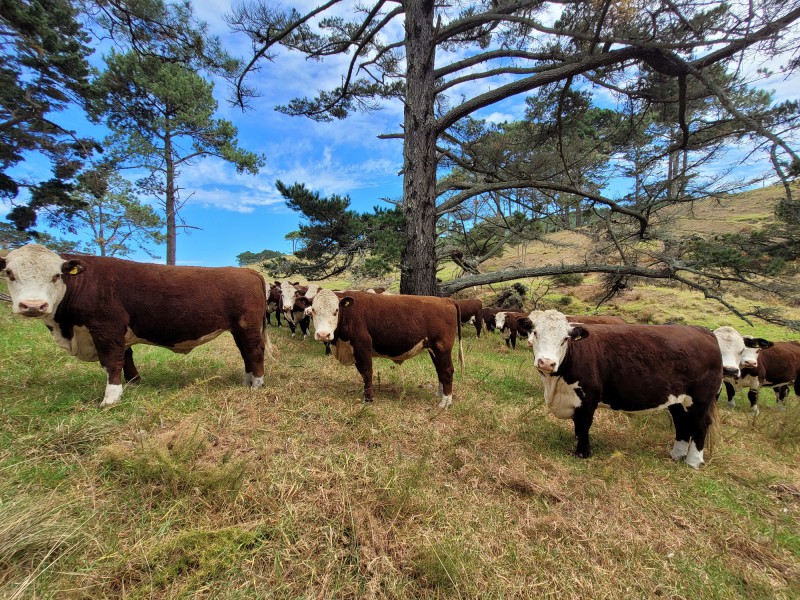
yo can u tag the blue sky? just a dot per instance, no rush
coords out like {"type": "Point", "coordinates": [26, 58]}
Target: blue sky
{"type": "Point", "coordinates": [236, 213]}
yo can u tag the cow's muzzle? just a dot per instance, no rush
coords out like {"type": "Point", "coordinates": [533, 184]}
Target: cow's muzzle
{"type": "Point", "coordinates": [730, 372]}
{"type": "Point", "coordinates": [323, 337]}
{"type": "Point", "coordinates": [545, 365]}
{"type": "Point", "coordinates": [33, 308]}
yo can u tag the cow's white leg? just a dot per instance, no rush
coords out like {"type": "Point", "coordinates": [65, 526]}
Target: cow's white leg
{"type": "Point", "coordinates": [112, 395]}
{"type": "Point", "coordinates": [679, 450]}
{"type": "Point", "coordinates": [694, 458]}
{"type": "Point", "coordinates": [754, 409]}
{"type": "Point", "coordinates": [446, 401]}
{"type": "Point", "coordinates": [252, 381]}
{"type": "Point", "coordinates": [732, 403]}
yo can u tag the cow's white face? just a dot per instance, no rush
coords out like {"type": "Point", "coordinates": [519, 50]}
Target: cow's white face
{"type": "Point", "coordinates": [325, 312]}
{"type": "Point", "coordinates": [34, 279]}
{"type": "Point", "coordinates": [287, 296]}
{"type": "Point", "coordinates": [500, 320]}
{"type": "Point", "coordinates": [551, 334]}
{"type": "Point", "coordinates": [533, 316]}
{"type": "Point", "coordinates": [732, 347]}
{"type": "Point", "coordinates": [749, 358]}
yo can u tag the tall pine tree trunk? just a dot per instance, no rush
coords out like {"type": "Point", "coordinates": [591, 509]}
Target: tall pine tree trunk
{"type": "Point", "coordinates": [169, 201]}
{"type": "Point", "coordinates": [418, 261]}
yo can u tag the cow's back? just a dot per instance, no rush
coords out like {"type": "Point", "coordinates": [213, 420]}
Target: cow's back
{"type": "Point", "coordinates": [395, 321]}
{"type": "Point", "coordinates": [163, 304]}
{"type": "Point", "coordinates": [779, 363]}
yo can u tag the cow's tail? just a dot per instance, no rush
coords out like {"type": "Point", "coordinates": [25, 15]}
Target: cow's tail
{"type": "Point", "coordinates": [714, 431]}
{"type": "Point", "coordinates": [460, 346]}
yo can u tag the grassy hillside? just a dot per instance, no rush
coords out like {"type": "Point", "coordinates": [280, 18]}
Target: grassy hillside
{"type": "Point", "coordinates": [195, 487]}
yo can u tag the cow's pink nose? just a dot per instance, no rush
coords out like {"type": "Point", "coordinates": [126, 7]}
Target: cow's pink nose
{"type": "Point", "coordinates": [545, 364]}
{"type": "Point", "coordinates": [323, 337]}
{"type": "Point", "coordinates": [750, 364]}
{"type": "Point", "coordinates": [33, 307]}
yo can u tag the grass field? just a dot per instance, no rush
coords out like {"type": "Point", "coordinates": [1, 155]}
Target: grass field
{"type": "Point", "coordinates": [195, 487]}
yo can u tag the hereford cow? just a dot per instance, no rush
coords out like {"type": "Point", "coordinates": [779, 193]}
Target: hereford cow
{"type": "Point", "coordinates": [97, 308]}
{"type": "Point", "coordinates": [740, 358]}
{"type": "Point", "coordinates": [489, 315]}
{"type": "Point", "coordinates": [777, 367]}
{"type": "Point", "coordinates": [525, 326]}
{"type": "Point", "coordinates": [472, 312]}
{"type": "Point", "coordinates": [292, 312]}
{"type": "Point", "coordinates": [630, 368]}
{"type": "Point", "coordinates": [506, 322]}
{"type": "Point", "coordinates": [361, 326]}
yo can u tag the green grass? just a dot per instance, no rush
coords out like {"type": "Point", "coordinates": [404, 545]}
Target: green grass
{"type": "Point", "coordinates": [197, 487]}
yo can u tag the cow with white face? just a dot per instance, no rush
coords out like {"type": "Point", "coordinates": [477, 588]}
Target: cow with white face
{"type": "Point", "coordinates": [630, 368]}
{"type": "Point", "coordinates": [739, 361]}
{"type": "Point", "coordinates": [293, 312]}
{"type": "Point", "coordinates": [96, 308]}
{"type": "Point", "coordinates": [361, 326]}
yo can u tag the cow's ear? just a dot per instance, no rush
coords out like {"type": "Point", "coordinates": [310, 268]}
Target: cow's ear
{"type": "Point", "coordinates": [346, 301]}
{"type": "Point", "coordinates": [525, 325]}
{"type": "Point", "coordinates": [578, 332]}
{"type": "Point", "coordinates": [762, 343]}
{"type": "Point", "coordinates": [72, 267]}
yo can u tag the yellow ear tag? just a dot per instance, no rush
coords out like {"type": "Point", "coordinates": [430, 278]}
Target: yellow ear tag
{"type": "Point", "coordinates": [74, 271]}
{"type": "Point", "coordinates": [347, 303]}
{"type": "Point", "coordinates": [577, 338]}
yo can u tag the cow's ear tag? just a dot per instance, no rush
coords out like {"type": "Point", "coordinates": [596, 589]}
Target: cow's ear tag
{"type": "Point", "coordinates": [347, 303]}
{"type": "Point", "coordinates": [577, 337]}
{"type": "Point", "coordinates": [74, 271]}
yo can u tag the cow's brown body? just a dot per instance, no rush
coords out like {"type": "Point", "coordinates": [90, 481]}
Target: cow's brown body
{"type": "Point", "coordinates": [396, 327]}
{"type": "Point", "coordinates": [778, 367]}
{"type": "Point", "coordinates": [111, 304]}
{"type": "Point", "coordinates": [472, 309]}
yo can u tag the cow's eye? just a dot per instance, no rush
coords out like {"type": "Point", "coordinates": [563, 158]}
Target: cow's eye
{"type": "Point", "coordinates": [10, 275]}
{"type": "Point", "coordinates": [56, 277]}
{"type": "Point", "coordinates": [336, 312]}
{"type": "Point", "coordinates": [566, 339]}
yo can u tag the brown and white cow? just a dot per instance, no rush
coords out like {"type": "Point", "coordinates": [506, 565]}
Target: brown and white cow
{"type": "Point", "coordinates": [96, 308]}
{"type": "Point", "coordinates": [362, 326]}
{"type": "Point", "coordinates": [489, 315]}
{"type": "Point", "coordinates": [293, 312]}
{"type": "Point", "coordinates": [506, 322]}
{"type": "Point", "coordinates": [472, 312]}
{"type": "Point", "coordinates": [631, 368]}
{"type": "Point", "coordinates": [525, 326]}
{"type": "Point", "coordinates": [740, 358]}
{"type": "Point", "coordinates": [274, 303]}
{"type": "Point", "coordinates": [777, 367]}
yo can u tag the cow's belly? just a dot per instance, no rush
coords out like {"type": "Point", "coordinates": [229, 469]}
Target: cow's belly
{"type": "Point", "coordinates": [683, 399]}
{"type": "Point", "coordinates": [343, 352]}
{"type": "Point", "coordinates": [182, 347]}
{"type": "Point", "coordinates": [80, 345]}
{"type": "Point", "coordinates": [561, 397]}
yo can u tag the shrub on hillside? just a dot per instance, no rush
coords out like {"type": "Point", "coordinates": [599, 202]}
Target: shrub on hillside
{"type": "Point", "coordinates": [568, 279]}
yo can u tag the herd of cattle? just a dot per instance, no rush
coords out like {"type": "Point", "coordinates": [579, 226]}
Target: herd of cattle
{"type": "Point", "coordinates": [97, 308]}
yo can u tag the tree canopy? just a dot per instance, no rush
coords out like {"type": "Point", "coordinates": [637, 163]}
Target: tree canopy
{"type": "Point", "coordinates": [674, 73]}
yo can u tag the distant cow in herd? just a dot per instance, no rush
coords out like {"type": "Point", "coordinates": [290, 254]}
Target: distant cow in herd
{"type": "Point", "coordinates": [472, 312]}
{"type": "Point", "coordinates": [754, 363]}
{"type": "Point", "coordinates": [630, 368]}
{"type": "Point", "coordinates": [362, 326]}
{"type": "Point", "coordinates": [96, 308]}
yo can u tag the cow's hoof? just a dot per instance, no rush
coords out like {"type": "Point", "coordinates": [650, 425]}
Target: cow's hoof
{"type": "Point", "coordinates": [582, 453]}
{"type": "Point", "coordinates": [446, 402]}
{"type": "Point", "coordinates": [754, 409]}
{"type": "Point", "coordinates": [679, 450]}
{"type": "Point", "coordinates": [253, 382]}
{"type": "Point", "coordinates": [367, 400]}
{"type": "Point", "coordinates": [695, 457]}
{"type": "Point", "coordinates": [731, 404]}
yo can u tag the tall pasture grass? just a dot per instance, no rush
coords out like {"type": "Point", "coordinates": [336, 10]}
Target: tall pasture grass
{"type": "Point", "coordinates": [197, 487]}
